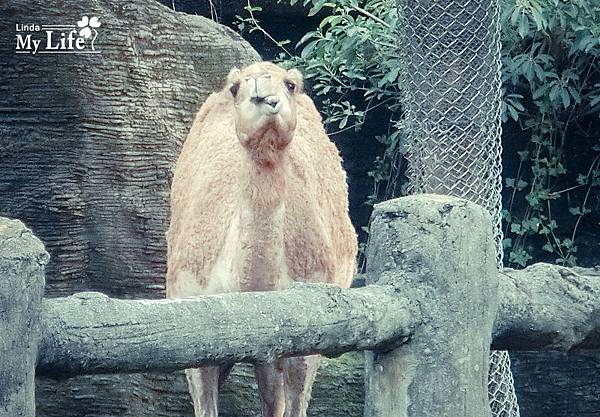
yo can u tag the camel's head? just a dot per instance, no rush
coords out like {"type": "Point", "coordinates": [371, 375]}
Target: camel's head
{"type": "Point", "coordinates": [265, 95]}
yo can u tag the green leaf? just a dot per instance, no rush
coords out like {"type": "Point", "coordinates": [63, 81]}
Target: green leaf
{"type": "Point", "coordinates": [539, 72]}
{"type": "Point", "coordinates": [515, 16]}
{"type": "Point", "coordinates": [594, 101]}
{"type": "Point", "coordinates": [519, 257]}
{"type": "Point", "coordinates": [521, 184]}
{"type": "Point", "coordinates": [582, 179]}
{"type": "Point", "coordinates": [306, 37]}
{"type": "Point", "coordinates": [308, 49]}
{"type": "Point", "coordinates": [554, 91]}
{"type": "Point", "coordinates": [523, 25]}
{"type": "Point", "coordinates": [523, 155]}
{"type": "Point", "coordinates": [343, 122]}
{"type": "Point", "coordinates": [513, 113]}
{"type": "Point", "coordinates": [532, 199]}
{"type": "Point", "coordinates": [517, 229]}
{"type": "Point", "coordinates": [517, 105]}
{"type": "Point", "coordinates": [575, 94]}
{"type": "Point", "coordinates": [318, 5]}
{"type": "Point", "coordinates": [566, 100]}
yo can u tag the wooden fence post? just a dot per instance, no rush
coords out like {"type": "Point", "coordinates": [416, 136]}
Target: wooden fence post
{"type": "Point", "coordinates": [438, 251]}
{"type": "Point", "coordinates": [22, 261]}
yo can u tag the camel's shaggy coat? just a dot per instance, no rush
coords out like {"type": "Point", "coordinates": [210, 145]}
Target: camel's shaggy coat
{"type": "Point", "coordinates": [259, 200]}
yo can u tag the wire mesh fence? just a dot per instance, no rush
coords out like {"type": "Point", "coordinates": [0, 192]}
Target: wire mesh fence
{"type": "Point", "coordinates": [451, 84]}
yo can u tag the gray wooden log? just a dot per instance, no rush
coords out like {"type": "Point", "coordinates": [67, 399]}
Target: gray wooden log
{"type": "Point", "coordinates": [560, 384]}
{"type": "Point", "coordinates": [548, 307]}
{"type": "Point", "coordinates": [92, 333]}
{"type": "Point", "coordinates": [543, 307]}
{"type": "Point", "coordinates": [439, 252]}
{"type": "Point", "coordinates": [22, 261]}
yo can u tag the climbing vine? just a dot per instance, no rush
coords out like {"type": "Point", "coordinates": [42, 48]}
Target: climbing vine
{"type": "Point", "coordinates": [551, 108]}
{"type": "Point", "coordinates": [551, 79]}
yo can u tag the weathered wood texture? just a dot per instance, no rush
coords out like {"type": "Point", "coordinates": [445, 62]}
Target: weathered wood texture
{"type": "Point", "coordinates": [557, 384]}
{"type": "Point", "coordinates": [549, 307]}
{"type": "Point", "coordinates": [91, 333]}
{"type": "Point", "coordinates": [22, 261]}
{"type": "Point", "coordinates": [439, 252]}
{"type": "Point", "coordinates": [88, 145]}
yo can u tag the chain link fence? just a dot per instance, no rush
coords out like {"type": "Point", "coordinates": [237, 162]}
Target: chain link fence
{"type": "Point", "coordinates": [451, 81]}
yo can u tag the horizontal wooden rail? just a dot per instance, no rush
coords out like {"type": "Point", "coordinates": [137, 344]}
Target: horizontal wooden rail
{"type": "Point", "coordinates": [548, 307]}
{"type": "Point", "coordinates": [543, 307]}
{"type": "Point", "coordinates": [92, 333]}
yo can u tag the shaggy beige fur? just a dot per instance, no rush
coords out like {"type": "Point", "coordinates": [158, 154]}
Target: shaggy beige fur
{"type": "Point", "coordinates": [259, 199]}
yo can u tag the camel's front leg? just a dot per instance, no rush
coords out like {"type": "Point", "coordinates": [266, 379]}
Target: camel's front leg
{"type": "Point", "coordinates": [271, 387]}
{"type": "Point", "coordinates": [299, 376]}
{"type": "Point", "coordinates": [204, 384]}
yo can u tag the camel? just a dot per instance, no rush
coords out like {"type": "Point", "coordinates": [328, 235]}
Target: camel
{"type": "Point", "coordinates": [259, 200]}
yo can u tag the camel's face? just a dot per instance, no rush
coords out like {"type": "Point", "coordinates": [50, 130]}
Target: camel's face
{"type": "Point", "coordinates": [265, 110]}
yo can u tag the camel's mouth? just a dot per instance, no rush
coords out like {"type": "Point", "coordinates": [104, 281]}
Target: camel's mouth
{"type": "Point", "coordinates": [271, 104]}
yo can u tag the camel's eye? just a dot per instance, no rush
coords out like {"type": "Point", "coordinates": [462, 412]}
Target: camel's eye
{"type": "Point", "coordinates": [234, 89]}
{"type": "Point", "coordinates": [290, 86]}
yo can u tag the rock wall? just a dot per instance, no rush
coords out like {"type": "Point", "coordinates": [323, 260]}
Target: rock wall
{"type": "Point", "coordinates": [89, 143]}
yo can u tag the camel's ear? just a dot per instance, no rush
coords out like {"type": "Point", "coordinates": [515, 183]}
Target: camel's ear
{"type": "Point", "coordinates": [233, 81]}
{"type": "Point", "coordinates": [296, 77]}
{"type": "Point", "coordinates": [234, 74]}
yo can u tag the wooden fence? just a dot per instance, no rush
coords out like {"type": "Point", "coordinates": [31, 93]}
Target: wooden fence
{"type": "Point", "coordinates": [435, 305]}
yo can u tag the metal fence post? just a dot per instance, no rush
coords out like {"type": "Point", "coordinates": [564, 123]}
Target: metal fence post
{"type": "Point", "coordinates": [451, 80]}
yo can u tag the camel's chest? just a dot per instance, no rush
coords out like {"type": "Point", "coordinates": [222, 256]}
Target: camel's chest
{"type": "Point", "coordinates": [252, 256]}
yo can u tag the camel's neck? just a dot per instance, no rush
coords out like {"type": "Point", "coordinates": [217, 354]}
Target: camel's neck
{"type": "Point", "coordinates": [263, 190]}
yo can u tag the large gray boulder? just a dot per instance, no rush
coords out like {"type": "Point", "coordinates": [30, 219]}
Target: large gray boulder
{"type": "Point", "coordinates": [90, 140]}
{"type": "Point", "coordinates": [89, 143]}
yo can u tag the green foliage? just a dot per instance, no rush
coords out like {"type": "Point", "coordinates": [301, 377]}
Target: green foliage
{"type": "Point", "coordinates": [551, 87]}
{"type": "Point", "coordinates": [551, 90]}
{"type": "Point", "coordinates": [351, 64]}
